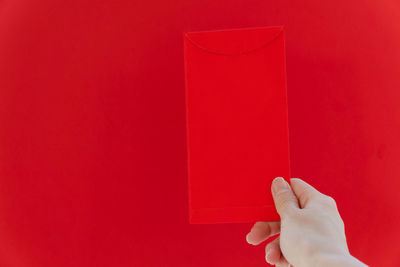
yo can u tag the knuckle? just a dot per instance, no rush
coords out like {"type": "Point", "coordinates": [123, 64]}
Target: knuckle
{"type": "Point", "coordinates": [330, 201]}
{"type": "Point", "coordinates": [282, 198]}
{"type": "Point", "coordinates": [284, 202]}
{"type": "Point", "coordinates": [281, 193]}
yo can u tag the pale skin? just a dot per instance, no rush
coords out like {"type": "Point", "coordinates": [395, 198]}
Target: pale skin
{"type": "Point", "coordinates": [311, 229]}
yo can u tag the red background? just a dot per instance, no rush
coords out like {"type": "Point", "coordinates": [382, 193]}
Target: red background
{"type": "Point", "coordinates": [92, 127]}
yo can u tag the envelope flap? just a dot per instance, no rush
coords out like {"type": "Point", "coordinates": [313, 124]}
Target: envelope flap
{"type": "Point", "coordinates": [234, 42]}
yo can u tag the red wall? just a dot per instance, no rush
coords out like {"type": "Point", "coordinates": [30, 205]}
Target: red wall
{"type": "Point", "coordinates": [92, 127]}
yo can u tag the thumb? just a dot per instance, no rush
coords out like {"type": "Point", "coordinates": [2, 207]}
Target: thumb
{"type": "Point", "coordinates": [284, 198]}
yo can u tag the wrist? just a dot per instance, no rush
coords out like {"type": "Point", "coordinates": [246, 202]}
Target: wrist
{"type": "Point", "coordinates": [334, 260]}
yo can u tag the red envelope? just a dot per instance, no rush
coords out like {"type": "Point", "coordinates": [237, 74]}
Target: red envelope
{"type": "Point", "coordinates": [237, 125]}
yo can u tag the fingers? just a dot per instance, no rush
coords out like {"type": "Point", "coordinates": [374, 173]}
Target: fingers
{"type": "Point", "coordinates": [284, 198]}
{"type": "Point", "coordinates": [273, 254]}
{"type": "Point", "coordinates": [261, 231]}
{"type": "Point", "coordinates": [303, 191]}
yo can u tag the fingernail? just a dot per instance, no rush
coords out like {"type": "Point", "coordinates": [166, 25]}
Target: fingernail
{"type": "Point", "coordinates": [248, 239]}
{"type": "Point", "coordinates": [279, 184]}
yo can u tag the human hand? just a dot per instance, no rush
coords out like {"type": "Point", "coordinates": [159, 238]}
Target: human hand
{"type": "Point", "coordinates": [311, 229]}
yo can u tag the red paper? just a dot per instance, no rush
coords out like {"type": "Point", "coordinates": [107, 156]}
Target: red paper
{"type": "Point", "coordinates": [236, 123]}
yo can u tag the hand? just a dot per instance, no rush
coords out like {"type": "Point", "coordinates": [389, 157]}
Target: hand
{"type": "Point", "coordinates": [311, 229]}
